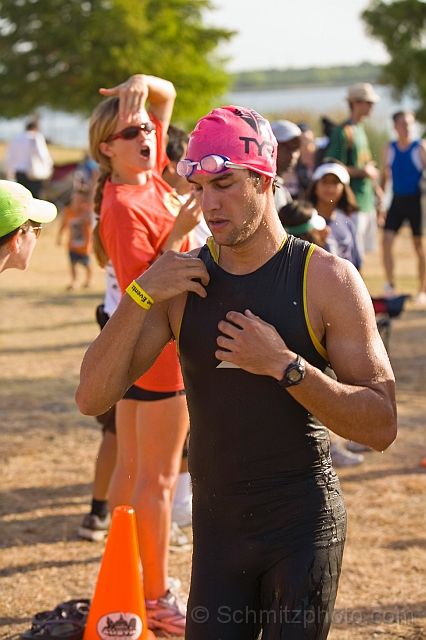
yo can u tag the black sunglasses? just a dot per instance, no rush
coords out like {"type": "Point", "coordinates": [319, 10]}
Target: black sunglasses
{"type": "Point", "coordinates": [130, 133]}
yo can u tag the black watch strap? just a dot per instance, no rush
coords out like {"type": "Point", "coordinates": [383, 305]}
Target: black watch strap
{"type": "Point", "coordinates": [294, 374]}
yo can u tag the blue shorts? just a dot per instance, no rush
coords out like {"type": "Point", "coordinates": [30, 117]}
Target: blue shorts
{"type": "Point", "coordinates": [83, 259]}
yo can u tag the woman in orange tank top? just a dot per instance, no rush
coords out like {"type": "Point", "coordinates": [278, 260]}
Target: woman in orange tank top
{"type": "Point", "coordinates": [137, 224]}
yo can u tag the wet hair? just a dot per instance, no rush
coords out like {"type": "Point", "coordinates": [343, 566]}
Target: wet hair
{"type": "Point", "coordinates": [347, 202]}
{"type": "Point", "coordinates": [398, 114]}
{"type": "Point", "coordinates": [296, 213]}
{"type": "Point", "coordinates": [177, 141]}
{"type": "Point", "coordinates": [254, 176]}
{"type": "Point", "coordinates": [102, 124]}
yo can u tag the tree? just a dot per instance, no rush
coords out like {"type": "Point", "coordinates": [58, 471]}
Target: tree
{"type": "Point", "coordinates": [401, 27]}
{"type": "Point", "coordinates": [57, 53]}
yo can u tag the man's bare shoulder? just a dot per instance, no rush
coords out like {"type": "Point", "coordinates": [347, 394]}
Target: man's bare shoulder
{"type": "Point", "coordinates": [335, 292]}
{"type": "Point", "coordinates": [324, 263]}
{"type": "Point", "coordinates": [328, 274]}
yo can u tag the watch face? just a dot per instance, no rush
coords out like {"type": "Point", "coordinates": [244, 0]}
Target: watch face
{"type": "Point", "coordinates": [294, 375]}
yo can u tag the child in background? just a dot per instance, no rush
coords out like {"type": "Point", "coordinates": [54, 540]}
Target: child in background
{"type": "Point", "coordinates": [77, 220]}
{"type": "Point", "coordinates": [335, 201]}
{"type": "Point", "coordinates": [300, 219]}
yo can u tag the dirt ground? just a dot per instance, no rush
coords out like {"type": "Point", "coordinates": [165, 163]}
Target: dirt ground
{"type": "Point", "coordinates": [48, 448]}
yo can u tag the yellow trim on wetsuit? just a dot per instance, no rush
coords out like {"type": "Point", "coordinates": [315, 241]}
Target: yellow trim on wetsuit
{"type": "Point", "coordinates": [213, 248]}
{"type": "Point", "coordinates": [317, 344]}
{"type": "Point", "coordinates": [177, 336]}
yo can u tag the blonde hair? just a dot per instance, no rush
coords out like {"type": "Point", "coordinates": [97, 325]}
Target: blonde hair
{"type": "Point", "coordinates": [102, 124]}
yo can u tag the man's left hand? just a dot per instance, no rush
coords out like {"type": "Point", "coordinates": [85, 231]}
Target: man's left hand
{"type": "Point", "coordinates": [253, 344]}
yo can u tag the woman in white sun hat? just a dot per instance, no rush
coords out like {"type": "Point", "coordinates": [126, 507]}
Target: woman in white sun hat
{"type": "Point", "coordinates": [334, 200]}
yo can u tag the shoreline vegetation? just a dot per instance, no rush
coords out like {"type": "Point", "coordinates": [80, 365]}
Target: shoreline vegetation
{"type": "Point", "coordinates": [291, 78]}
{"type": "Point", "coordinates": [273, 79]}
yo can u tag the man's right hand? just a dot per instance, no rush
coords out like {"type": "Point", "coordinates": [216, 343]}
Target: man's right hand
{"type": "Point", "coordinates": [174, 273]}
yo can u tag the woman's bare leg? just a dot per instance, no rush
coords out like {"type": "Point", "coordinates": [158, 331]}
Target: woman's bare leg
{"type": "Point", "coordinates": [124, 477]}
{"type": "Point", "coordinates": [105, 465]}
{"type": "Point", "coordinates": [162, 426]}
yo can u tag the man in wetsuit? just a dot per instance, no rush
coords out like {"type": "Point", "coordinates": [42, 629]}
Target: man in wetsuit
{"type": "Point", "coordinates": [258, 316]}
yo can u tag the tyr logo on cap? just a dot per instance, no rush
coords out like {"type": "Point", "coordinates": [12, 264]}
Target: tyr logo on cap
{"type": "Point", "coordinates": [254, 119]}
{"type": "Point", "coordinates": [260, 127]}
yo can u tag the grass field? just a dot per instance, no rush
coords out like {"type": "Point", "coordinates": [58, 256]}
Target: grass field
{"type": "Point", "coordinates": [48, 450]}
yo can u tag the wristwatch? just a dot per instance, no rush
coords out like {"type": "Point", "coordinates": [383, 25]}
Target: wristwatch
{"type": "Point", "coordinates": [294, 373]}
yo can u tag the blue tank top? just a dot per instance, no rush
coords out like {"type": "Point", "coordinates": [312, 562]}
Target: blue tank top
{"type": "Point", "coordinates": [406, 169]}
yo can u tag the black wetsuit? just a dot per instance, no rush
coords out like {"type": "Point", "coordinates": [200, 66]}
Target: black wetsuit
{"type": "Point", "coordinates": [268, 514]}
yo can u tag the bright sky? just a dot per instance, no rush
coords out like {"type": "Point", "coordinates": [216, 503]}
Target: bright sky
{"type": "Point", "coordinates": [295, 33]}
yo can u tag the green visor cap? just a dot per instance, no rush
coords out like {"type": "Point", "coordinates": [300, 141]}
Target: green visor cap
{"type": "Point", "coordinates": [17, 205]}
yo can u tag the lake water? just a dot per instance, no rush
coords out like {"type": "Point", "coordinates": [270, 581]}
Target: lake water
{"type": "Point", "coordinates": [70, 130]}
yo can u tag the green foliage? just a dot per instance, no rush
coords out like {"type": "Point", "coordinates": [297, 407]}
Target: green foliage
{"type": "Point", "coordinates": [280, 78]}
{"type": "Point", "coordinates": [401, 27]}
{"type": "Point", "coordinates": [57, 53]}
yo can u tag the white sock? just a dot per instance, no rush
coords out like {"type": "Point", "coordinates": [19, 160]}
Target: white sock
{"type": "Point", "coordinates": [183, 489]}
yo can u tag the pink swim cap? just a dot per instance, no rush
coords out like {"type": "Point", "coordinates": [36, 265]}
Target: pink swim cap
{"type": "Point", "coordinates": [240, 134]}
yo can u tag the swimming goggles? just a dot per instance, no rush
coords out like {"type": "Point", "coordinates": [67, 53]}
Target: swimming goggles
{"type": "Point", "coordinates": [130, 133]}
{"type": "Point", "coordinates": [211, 164]}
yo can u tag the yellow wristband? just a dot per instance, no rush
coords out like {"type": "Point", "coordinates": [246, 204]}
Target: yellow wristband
{"type": "Point", "coordinates": [139, 295]}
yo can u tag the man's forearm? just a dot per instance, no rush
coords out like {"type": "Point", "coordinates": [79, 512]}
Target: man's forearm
{"type": "Point", "coordinates": [360, 413]}
{"type": "Point", "coordinates": [104, 376]}
{"type": "Point", "coordinates": [356, 172]}
{"type": "Point", "coordinates": [160, 90]}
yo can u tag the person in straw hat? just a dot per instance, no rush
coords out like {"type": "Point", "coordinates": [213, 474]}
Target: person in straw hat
{"type": "Point", "coordinates": [349, 144]}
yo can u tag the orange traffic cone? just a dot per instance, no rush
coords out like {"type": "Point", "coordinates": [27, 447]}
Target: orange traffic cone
{"type": "Point", "coordinates": [118, 604]}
